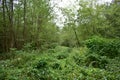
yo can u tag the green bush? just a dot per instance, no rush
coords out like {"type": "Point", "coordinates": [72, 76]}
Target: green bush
{"type": "Point", "coordinates": [41, 64]}
{"type": "Point", "coordinates": [104, 47]}
{"type": "Point", "coordinates": [96, 61]}
{"type": "Point", "coordinates": [56, 66]}
{"type": "Point", "coordinates": [62, 56]}
{"type": "Point", "coordinates": [29, 46]}
{"type": "Point", "coordinates": [2, 74]}
{"type": "Point", "coordinates": [78, 60]}
{"type": "Point", "coordinates": [61, 63]}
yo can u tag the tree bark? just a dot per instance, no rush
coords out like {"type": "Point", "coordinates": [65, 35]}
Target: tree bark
{"type": "Point", "coordinates": [24, 28]}
{"type": "Point", "coordinates": [4, 26]}
{"type": "Point", "coordinates": [12, 35]}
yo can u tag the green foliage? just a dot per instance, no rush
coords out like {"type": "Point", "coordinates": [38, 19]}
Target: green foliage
{"type": "Point", "coordinates": [113, 18]}
{"type": "Point", "coordinates": [29, 46]}
{"type": "Point", "coordinates": [104, 47]}
{"type": "Point", "coordinates": [41, 64]}
{"type": "Point", "coordinates": [77, 64]}
{"type": "Point", "coordinates": [62, 56]}
{"type": "Point", "coordinates": [31, 26]}
{"type": "Point", "coordinates": [2, 74]}
{"type": "Point", "coordinates": [38, 50]}
{"type": "Point", "coordinates": [96, 61]}
{"type": "Point", "coordinates": [68, 37]}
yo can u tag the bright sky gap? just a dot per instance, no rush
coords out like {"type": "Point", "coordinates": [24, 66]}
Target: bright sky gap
{"type": "Point", "coordinates": [60, 19]}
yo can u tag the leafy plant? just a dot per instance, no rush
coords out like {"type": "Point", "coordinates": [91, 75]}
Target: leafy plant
{"type": "Point", "coordinates": [104, 47]}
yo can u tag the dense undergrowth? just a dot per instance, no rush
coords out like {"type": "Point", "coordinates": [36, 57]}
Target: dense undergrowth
{"type": "Point", "coordinates": [63, 63]}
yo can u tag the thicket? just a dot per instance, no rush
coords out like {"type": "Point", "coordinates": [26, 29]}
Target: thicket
{"type": "Point", "coordinates": [104, 47]}
{"type": "Point", "coordinates": [59, 63]}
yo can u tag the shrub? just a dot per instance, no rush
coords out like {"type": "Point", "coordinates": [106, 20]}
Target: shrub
{"type": "Point", "coordinates": [79, 60]}
{"type": "Point", "coordinates": [2, 74]}
{"type": "Point", "coordinates": [62, 56]}
{"type": "Point", "coordinates": [29, 46]}
{"type": "Point", "coordinates": [104, 47]}
{"type": "Point", "coordinates": [96, 61]}
{"type": "Point", "coordinates": [41, 64]}
{"type": "Point", "coordinates": [56, 66]}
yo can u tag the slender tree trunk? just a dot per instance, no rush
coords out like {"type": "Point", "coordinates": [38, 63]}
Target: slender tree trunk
{"type": "Point", "coordinates": [78, 43]}
{"type": "Point", "coordinates": [17, 31]}
{"type": "Point", "coordinates": [24, 28]}
{"type": "Point", "coordinates": [38, 22]}
{"type": "Point", "coordinates": [12, 35]}
{"type": "Point", "coordinates": [4, 26]}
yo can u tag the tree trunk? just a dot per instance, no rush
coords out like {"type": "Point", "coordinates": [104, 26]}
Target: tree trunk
{"type": "Point", "coordinates": [24, 28]}
{"type": "Point", "coordinates": [4, 26]}
{"type": "Point", "coordinates": [78, 43]}
{"type": "Point", "coordinates": [12, 35]}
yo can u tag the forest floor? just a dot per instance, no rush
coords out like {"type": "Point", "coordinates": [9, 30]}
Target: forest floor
{"type": "Point", "coordinates": [60, 63]}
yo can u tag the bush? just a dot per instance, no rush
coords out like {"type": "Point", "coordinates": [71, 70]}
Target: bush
{"type": "Point", "coordinates": [41, 64]}
{"type": "Point", "coordinates": [104, 47]}
{"type": "Point", "coordinates": [96, 61]}
{"type": "Point", "coordinates": [29, 46]}
{"type": "Point", "coordinates": [62, 56]}
{"type": "Point", "coordinates": [61, 63]}
{"type": "Point", "coordinates": [2, 74]}
{"type": "Point", "coordinates": [56, 66]}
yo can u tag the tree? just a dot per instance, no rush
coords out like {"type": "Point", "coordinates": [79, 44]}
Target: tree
{"type": "Point", "coordinates": [113, 18]}
{"type": "Point", "coordinates": [25, 22]}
